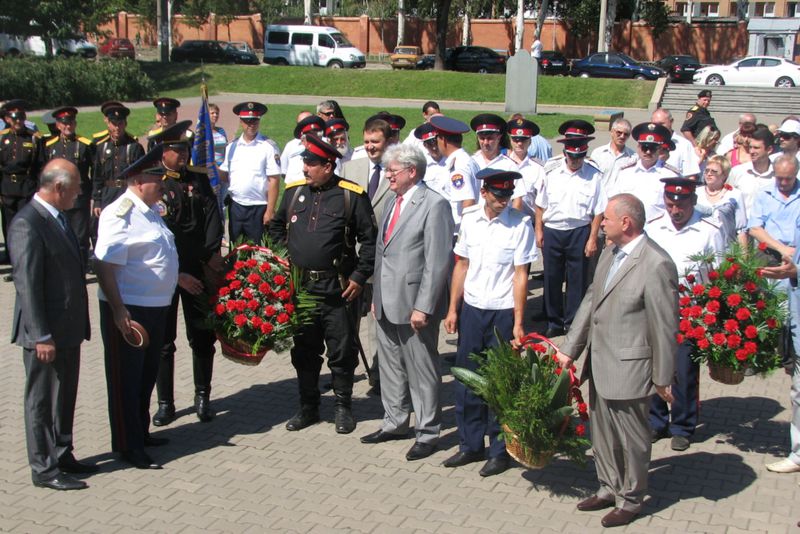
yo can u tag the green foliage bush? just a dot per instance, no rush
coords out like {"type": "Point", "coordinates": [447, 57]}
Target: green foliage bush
{"type": "Point", "coordinates": [49, 83]}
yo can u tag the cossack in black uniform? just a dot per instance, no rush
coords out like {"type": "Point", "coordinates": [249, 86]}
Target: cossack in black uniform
{"type": "Point", "coordinates": [112, 155]}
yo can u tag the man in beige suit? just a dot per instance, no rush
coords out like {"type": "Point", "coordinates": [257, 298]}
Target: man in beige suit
{"type": "Point", "coordinates": [627, 322]}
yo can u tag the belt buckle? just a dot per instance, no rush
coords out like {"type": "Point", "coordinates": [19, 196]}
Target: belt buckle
{"type": "Point", "coordinates": [313, 276]}
{"type": "Point", "coordinates": [119, 183]}
{"type": "Point", "coordinates": [14, 178]}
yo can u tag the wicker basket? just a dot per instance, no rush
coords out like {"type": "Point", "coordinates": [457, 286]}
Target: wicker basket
{"type": "Point", "coordinates": [518, 452]}
{"type": "Point", "coordinates": [241, 352]}
{"type": "Point", "coordinates": [725, 375]}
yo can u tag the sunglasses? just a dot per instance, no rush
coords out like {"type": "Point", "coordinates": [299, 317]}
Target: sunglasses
{"type": "Point", "coordinates": [251, 121]}
{"type": "Point", "coordinates": [16, 115]}
{"type": "Point", "coordinates": [520, 139]}
{"type": "Point", "coordinates": [622, 134]}
{"type": "Point", "coordinates": [786, 135]}
{"type": "Point", "coordinates": [430, 142]}
{"type": "Point", "coordinates": [327, 113]}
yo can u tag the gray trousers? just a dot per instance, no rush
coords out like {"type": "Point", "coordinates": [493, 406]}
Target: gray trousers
{"type": "Point", "coordinates": [50, 393]}
{"type": "Point", "coordinates": [411, 378]}
{"type": "Point", "coordinates": [794, 428]}
{"type": "Point", "coordinates": [621, 445]}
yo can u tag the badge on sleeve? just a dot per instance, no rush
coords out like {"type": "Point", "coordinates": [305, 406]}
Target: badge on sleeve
{"type": "Point", "coordinates": [457, 180]}
{"type": "Point", "coordinates": [294, 219]}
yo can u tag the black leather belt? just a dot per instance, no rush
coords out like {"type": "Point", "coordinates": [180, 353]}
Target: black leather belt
{"type": "Point", "coordinates": [115, 183]}
{"type": "Point", "coordinates": [15, 178]}
{"type": "Point", "coordinates": [315, 276]}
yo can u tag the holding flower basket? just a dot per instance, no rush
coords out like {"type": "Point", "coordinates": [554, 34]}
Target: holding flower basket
{"type": "Point", "coordinates": [734, 320]}
{"type": "Point", "coordinates": [258, 307]}
{"type": "Point", "coordinates": [534, 401]}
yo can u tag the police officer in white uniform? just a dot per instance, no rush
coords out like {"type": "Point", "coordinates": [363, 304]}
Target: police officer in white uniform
{"type": "Point", "coordinates": [569, 209]}
{"type": "Point", "coordinates": [682, 232]}
{"type": "Point", "coordinates": [291, 157]}
{"type": "Point", "coordinates": [492, 143]}
{"type": "Point", "coordinates": [520, 132]}
{"type": "Point", "coordinates": [435, 171]}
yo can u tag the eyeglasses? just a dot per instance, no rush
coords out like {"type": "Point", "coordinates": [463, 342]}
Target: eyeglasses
{"type": "Point", "coordinates": [519, 139]}
{"type": "Point", "coordinates": [395, 172]}
{"type": "Point", "coordinates": [622, 134]}
{"type": "Point", "coordinates": [712, 172]}
{"type": "Point", "coordinates": [251, 121]}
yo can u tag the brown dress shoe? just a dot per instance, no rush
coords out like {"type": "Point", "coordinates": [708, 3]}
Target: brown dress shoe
{"type": "Point", "coordinates": [617, 518]}
{"type": "Point", "coordinates": [594, 503]}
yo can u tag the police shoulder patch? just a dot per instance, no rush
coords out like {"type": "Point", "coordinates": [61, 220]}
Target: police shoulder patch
{"type": "Point", "coordinates": [457, 180]}
{"type": "Point", "coordinates": [98, 135]}
{"type": "Point", "coordinates": [689, 115]}
{"type": "Point", "coordinates": [124, 207]}
{"type": "Point", "coordinates": [350, 186]}
{"type": "Point", "coordinates": [51, 142]}
{"type": "Point", "coordinates": [85, 141]}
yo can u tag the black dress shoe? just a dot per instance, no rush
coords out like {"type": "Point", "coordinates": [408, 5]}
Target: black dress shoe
{"type": "Point", "coordinates": [139, 459]}
{"type": "Point", "coordinates": [554, 331]}
{"type": "Point", "coordinates": [594, 503]}
{"type": "Point", "coordinates": [343, 419]}
{"type": "Point", "coordinates": [656, 435]}
{"type": "Point", "coordinates": [302, 419]}
{"type": "Point", "coordinates": [165, 414]}
{"type": "Point", "coordinates": [150, 441]}
{"type": "Point", "coordinates": [380, 436]}
{"type": "Point", "coordinates": [68, 464]}
{"type": "Point", "coordinates": [495, 466]}
{"type": "Point", "coordinates": [617, 518]}
{"type": "Point", "coordinates": [463, 458]}
{"type": "Point", "coordinates": [61, 482]}
{"type": "Point", "coordinates": [202, 406]}
{"type": "Point", "coordinates": [419, 451]}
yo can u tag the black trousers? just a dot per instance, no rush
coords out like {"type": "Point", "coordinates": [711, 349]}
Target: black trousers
{"type": "Point", "coordinates": [563, 256]}
{"type": "Point", "coordinates": [201, 340]}
{"type": "Point", "coordinates": [334, 327]}
{"type": "Point", "coordinates": [247, 221]}
{"type": "Point", "coordinates": [50, 393]}
{"type": "Point", "coordinates": [131, 375]}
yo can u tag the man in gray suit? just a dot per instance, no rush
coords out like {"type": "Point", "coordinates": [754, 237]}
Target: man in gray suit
{"type": "Point", "coordinates": [369, 173]}
{"type": "Point", "coordinates": [627, 322]}
{"type": "Point", "coordinates": [51, 320]}
{"type": "Point", "coordinates": [412, 262]}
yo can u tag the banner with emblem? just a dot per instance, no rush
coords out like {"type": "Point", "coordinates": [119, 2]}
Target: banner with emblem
{"type": "Point", "coordinates": [203, 146]}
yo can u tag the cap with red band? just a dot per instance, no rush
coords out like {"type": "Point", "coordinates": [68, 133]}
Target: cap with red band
{"type": "Point", "coordinates": [498, 182]}
{"type": "Point", "coordinates": [335, 126]}
{"type": "Point", "coordinates": [249, 110]}
{"type": "Point", "coordinates": [319, 150]}
{"type": "Point", "coordinates": [576, 146]}
{"type": "Point", "coordinates": [312, 123]}
{"type": "Point", "coordinates": [522, 128]}
{"type": "Point", "coordinates": [650, 132]}
{"type": "Point", "coordinates": [679, 188]}
{"type": "Point", "coordinates": [576, 128]}
{"type": "Point", "coordinates": [64, 113]}
{"type": "Point", "coordinates": [488, 122]}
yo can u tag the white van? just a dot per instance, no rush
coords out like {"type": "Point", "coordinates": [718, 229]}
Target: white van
{"type": "Point", "coordinates": [321, 46]}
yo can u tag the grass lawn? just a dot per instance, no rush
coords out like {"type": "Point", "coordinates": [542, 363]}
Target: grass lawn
{"type": "Point", "coordinates": [280, 120]}
{"type": "Point", "coordinates": [183, 80]}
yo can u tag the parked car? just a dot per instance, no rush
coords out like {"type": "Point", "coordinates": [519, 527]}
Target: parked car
{"type": "Point", "coordinates": [321, 46]}
{"type": "Point", "coordinates": [405, 57]}
{"type": "Point", "coordinates": [428, 61]}
{"type": "Point", "coordinates": [242, 46]}
{"type": "Point", "coordinates": [679, 68]}
{"type": "Point", "coordinates": [614, 65]}
{"type": "Point", "coordinates": [764, 71]}
{"type": "Point", "coordinates": [211, 52]}
{"type": "Point", "coordinates": [117, 47]}
{"type": "Point", "coordinates": [475, 59]}
{"type": "Point", "coordinates": [553, 62]}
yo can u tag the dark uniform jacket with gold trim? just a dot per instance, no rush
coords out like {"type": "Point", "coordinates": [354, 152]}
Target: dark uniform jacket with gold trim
{"type": "Point", "coordinates": [21, 160]}
{"type": "Point", "coordinates": [110, 159]}
{"type": "Point", "coordinates": [80, 151]}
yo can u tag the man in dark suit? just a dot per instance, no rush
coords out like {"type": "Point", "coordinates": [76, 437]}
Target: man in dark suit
{"type": "Point", "coordinates": [51, 320]}
{"type": "Point", "coordinates": [412, 264]}
{"type": "Point", "coordinates": [627, 322]}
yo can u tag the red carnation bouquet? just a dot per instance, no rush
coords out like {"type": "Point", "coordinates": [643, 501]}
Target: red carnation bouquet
{"type": "Point", "coordinates": [735, 318]}
{"type": "Point", "coordinates": [258, 307]}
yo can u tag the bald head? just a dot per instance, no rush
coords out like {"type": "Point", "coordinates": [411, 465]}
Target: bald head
{"type": "Point", "coordinates": [59, 183]}
{"type": "Point", "coordinates": [663, 117]}
{"type": "Point", "coordinates": [302, 115]}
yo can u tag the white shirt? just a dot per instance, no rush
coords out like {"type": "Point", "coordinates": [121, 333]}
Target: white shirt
{"type": "Point", "coordinates": [684, 158]}
{"type": "Point", "coordinates": [436, 176]}
{"type": "Point", "coordinates": [133, 236]}
{"type": "Point", "coordinates": [52, 210]}
{"type": "Point", "coordinates": [644, 184]}
{"type": "Point", "coordinates": [529, 185]}
{"type": "Point", "coordinates": [359, 152]}
{"type": "Point", "coordinates": [461, 183]}
{"type": "Point", "coordinates": [249, 166]}
{"type": "Point", "coordinates": [747, 180]}
{"type": "Point", "coordinates": [406, 200]}
{"type": "Point", "coordinates": [569, 199]}
{"type": "Point", "coordinates": [699, 235]}
{"type": "Point", "coordinates": [731, 220]}
{"type": "Point", "coordinates": [493, 248]}
{"type": "Point", "coordinates": [292, 162]}
{"type": "Point", "coordinates": [607, 160]}
{"type": "Point", "coordinates": [536, 49]}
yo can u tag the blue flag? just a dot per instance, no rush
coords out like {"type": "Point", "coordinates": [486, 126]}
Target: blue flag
{"type": "Point", "coordinates": [203, 147]}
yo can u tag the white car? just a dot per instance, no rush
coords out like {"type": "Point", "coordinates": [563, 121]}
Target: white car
{"type": "Point", "coordinates": [764, 71]}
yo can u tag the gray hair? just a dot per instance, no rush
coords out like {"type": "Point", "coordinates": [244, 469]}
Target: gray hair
{"type": "Point", "coordinates": [622, 122]}
{"type": "Point", "coordinates": [667, 113]}
{"type": "Point", "coordinates": [626, 204]}
{"type": "Point", "coordinates": [56, 172]}
{"type": "Point", "coordinates": [326, 104]}
{"type": "Point", "coordinates": [406, 155]}
{"type": "Point", "coordinates": [786, 160]}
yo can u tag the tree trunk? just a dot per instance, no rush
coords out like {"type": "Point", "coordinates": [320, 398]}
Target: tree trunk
{"type": "Point", "coordinates": [520, 33]}
{"type": "Point", "coordinates": [401, 21]}
{"type": "Point", "coordinates": [611, 16]}
{"type": "Point", "coordinates": [442, 17]}
{"type": "Point", "coordinates": [306, 11]}
{"type": "Point", "coordinates": [465, 29]}
{"type": "Point", "coordinates": [540, 19]}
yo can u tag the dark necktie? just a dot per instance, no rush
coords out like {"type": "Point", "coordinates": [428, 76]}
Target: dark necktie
{"type": "Point", "coordinates": [374, 181]}
{"type": "Point", "coordinates": [65, 225]}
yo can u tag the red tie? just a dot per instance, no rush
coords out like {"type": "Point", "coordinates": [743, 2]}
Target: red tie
{"type": "Point", "coordinates": [393, 221]}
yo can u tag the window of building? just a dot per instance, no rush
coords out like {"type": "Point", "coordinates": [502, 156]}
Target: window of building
{"type": "Point", "coordinates": [764, 9]}
{"type": "Point", "coordinates": [793, 9]}
{"type": "Point", "coordinates": [709, 9]}
{"type": "Point", "coordinates": [681, 8]}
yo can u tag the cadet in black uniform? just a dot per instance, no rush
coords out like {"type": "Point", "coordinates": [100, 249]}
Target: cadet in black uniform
{"type": "Point", "coordinates": [80, 151]}
{"type": "Point", "coordinates": [320, 221]}
{"type": "Point", "coordinates": [21, 159]}
{"type": "Point", "coordinates": [189, 208]}
{"type": "Point", "coordinates": [115, 150]}
{"type": "Point", "coordinates": [698, 116]}
{"type": "Point", "coordinates": [166, 116]}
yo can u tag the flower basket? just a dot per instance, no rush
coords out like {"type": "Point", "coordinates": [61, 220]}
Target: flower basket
{"type": "Point", "coordinates": [259, 306]}
{"type": "Point", "coordinates": [241, 352]}
{"type": "Point", "coordinates": [725, 375]}
{"type": "Point", "coordinates": [534, 399]}
{"type": "Point", "coordinates": [732, 315]}
{"type": "Point", "coordinates": [524, 455]}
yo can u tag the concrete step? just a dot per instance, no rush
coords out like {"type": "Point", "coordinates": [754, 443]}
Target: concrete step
{"type": "Point", "coordinates": [726, 99]}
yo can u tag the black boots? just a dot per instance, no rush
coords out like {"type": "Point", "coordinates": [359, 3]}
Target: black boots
{"type": "Point", "coordinates": [307, 416]}
{"type": "Point", "coordinates": [202, 406]}
{"type": "Point", "coordinates": [165, 414]}
{"type": "Point", "coordinates": [343, 392]}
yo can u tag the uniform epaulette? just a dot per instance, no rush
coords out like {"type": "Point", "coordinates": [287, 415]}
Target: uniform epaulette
{"type": "Point", "coordinates": [85, 141]}
{"type": "Point", "coordinates": [5, 131]}
{"type": "Point", "coordinates": [35, 135]}
{"type": "Point", "coordinates": [670, 168]}
{"type": "Point", "coordinates": [196, 169]}
{"type": "Point", "coordinates": [470, 209]}
{"type": "Point", "coordinates": [98, 135]}
{"type": "Point", "coordinates": [295, 184]}
{"type": "Point", "coordinates": [154, 131]}
{"type": "Point", "coordinates": [711, 222]}
{"type": "Point", "coordinates": [350, 186]}
{"type": "Point", "coordinates": [592, 163]}
{"type": "Point", "coordinates": [553, 163]}
{"type": "Point", "coordinates": [654, 219]}
{"type": "Point", "coordinates": [629, 163]}
{"type": "Point", "coordinates": [52, 141]}
{"type": "Point", "coordinates": [102, 139]}
{"type": "Point", "coordinates": [124, 207]}
{"type": "Point", "coordinates": [694, 108]}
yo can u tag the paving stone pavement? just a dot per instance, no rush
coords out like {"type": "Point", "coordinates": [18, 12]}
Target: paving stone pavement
{"type": "Point", "coordinates": [244, 472]}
